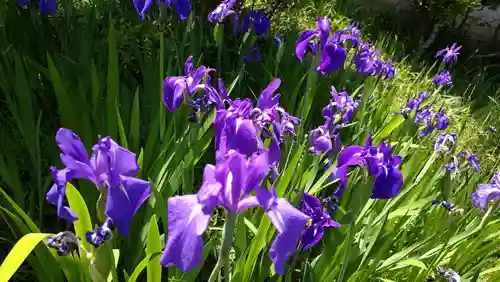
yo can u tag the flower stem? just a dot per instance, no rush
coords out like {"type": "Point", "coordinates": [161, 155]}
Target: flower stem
{"type": "Point", "coordinates": [227, 240]}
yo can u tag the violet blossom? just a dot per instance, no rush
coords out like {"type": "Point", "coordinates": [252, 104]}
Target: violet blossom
{"type": "Point", "coordinates": [487, 193]}
{"type": "Point", "coordinates": [258, 20]}
{"type": "Point", "coordinates": [380, 164]}
{"type": "Point", "coordinates": [472, 160]}
{"type": "Point", "coordinates": [445, 142]}
{"type": "Point", "coordinates": [341, 107]}
{"type": "Point", "coordinates": [333, 54]}
{"type": "Point", "coordinates": [311, 206]}
{"type": "Point", "coordinates": [443, 78]}
{"type": "Point", "coordinates": [413, 104]}
{"type": "Point", "coordinates": [368, 62]}
{"type": "Point", "coordinates": [175, 88]}
{"type": "Point", "coordinates": [222, 11]}
{"type": "Point", "coordinates": [182, 7]}
{"type": "Point", "coordinates": [109, 166]}
{"type": "Point", "coordinates": [450, 53]}
{"type": "Point", "coordinates": [229, 184]}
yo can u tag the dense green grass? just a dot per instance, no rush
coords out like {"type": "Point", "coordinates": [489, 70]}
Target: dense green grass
{"type": "Point", "coordinates": [98, 70]}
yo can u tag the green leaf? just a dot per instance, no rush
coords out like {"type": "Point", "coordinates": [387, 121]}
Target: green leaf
{"type": "Point", "coordinates": [18, 254]}
{"type": "Point", "coordinates": [121, 130]}
{"type": "Point", "coordinates": [135, 123]}
{"type": "Point", "coordinates": [113, 83]}
{"type": "Point", "coordinates": [143, 264]}
{"type": "Point", "coordinates": [83, 224]}
{"type": "Point", "coordinates": [410, 262]}
{"type": "Point", "coordinates": [153, 246]}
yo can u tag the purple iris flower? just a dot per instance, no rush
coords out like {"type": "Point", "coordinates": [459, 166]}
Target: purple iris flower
{"type": "Point", "coordinates": [379, 162]}
{"type": "Point", "coordinates": [333, 54]}
{"type": "Point", "coordinates": [341, 103]}
{"type": "Point", "coordinates": [445, 142]}
{"type": "Point", "coordinates": [487, 193]}
{"type": "Point", "coordinates": [351, 34]}
{"type": "Point", "coordinates": [47, 7]}
{"type": "Point", "coordinates": [472, 160]}
{"type": "Point", "coordinates": [223, 10]}
{"type": "Point", "coordinates": [182, 7]}
{"type": "Point", "coordinates": [238, 127]}
{"type": "Point", "coordinates": [258, 20]}
{"type": "Point", "coordinates": [176, 87]}
{"type": "Point", "coordinates": [366, 60]}
{"type": "Point", "coordinates": [229, 185]}
{"type": "Point", "coordinates": [443, 78]}
{"type": "Point", "coordinates": [414, 104]}
{"type": "Point", "coordinates": [311, 206]}
{"type": "Point", "coordinates": [142, 7]}
{"type": "Point", "coordinates": [101, 234]}
{"type": "Point", "coordinates": [452, 166]}
{"type": "Point", "coordinates": [449, 53]}
{"type": "Point", "coordinates": [253, 56]}
{"type": "Point", "coordinates": [387, 70]}
{"type": "Point", "coordinates": [320, 141]}
{"type": "Point", "coordinates": [441, 120]}
{"type": "Point", "coordinates": [110, 165]}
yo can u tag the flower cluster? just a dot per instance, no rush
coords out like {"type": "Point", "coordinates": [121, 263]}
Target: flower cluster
{"type": "Point", "coordinates": [379, 162]}
{"type": "Point", "coordinates": [439, 120]}
{"type": "Point", "coordinates": [242, 163]}
{"type": "Point", "coordinates": [111, 168]}
{"type": "Point", "coordinates": [413, 104]}
{"type": "Point", "coordinates": [339, 111]}
{"type": "Point", "coordinates": [334, 50]}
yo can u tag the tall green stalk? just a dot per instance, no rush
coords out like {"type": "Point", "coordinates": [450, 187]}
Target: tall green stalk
{"type": "Point", "coordinates": [227, 240]}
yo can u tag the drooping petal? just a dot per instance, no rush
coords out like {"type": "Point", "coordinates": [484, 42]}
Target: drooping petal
{"type": "Point", "coordinates": [142, 7]}
{"type": "Point", "coordinates": [183, 8]}
{"type": "Point", "coordinates": [242, 136]}
{"type": "Point", "coordinates": [248, 202]}
{"type": "Point", "coordinates": [266, 97]}
{"type": "Point", "coordinates": [174, 88]}
{"type": "Point", "coordinates": [187, 220]}
{"type": "Point", "coordinates": [387, 184]}
{"type": "Point", "coordinates": [311, 237]}
{"type": "Point", "coordinates": [256, 172]}
{"type": "Point", "coordinates": [47, 7]}
{"type": "Point", "coordinates": [303, 42]}
{"type": "Point", "coordinates": [323, 28]}
{"type": "Point", "coordinates": [486, 193]}
{"type": "Point", "coordinates": [289, 222]}
{"type": "Point", "coordinates": [125, 196]}
{"type": "Point", "coordinates": [124, 161]}
{"type": "Point", "coordinates": [348, 156]}
{"type": "Point", "coordinates": [332, 58]}
{"type": "Point", "coordinates": [57, 194]}
{"type": "Point", "coordinates": [71, 145]}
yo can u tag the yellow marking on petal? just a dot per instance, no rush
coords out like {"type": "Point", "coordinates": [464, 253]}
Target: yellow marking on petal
{"type": "Point", "coordinates": [309, 223]}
